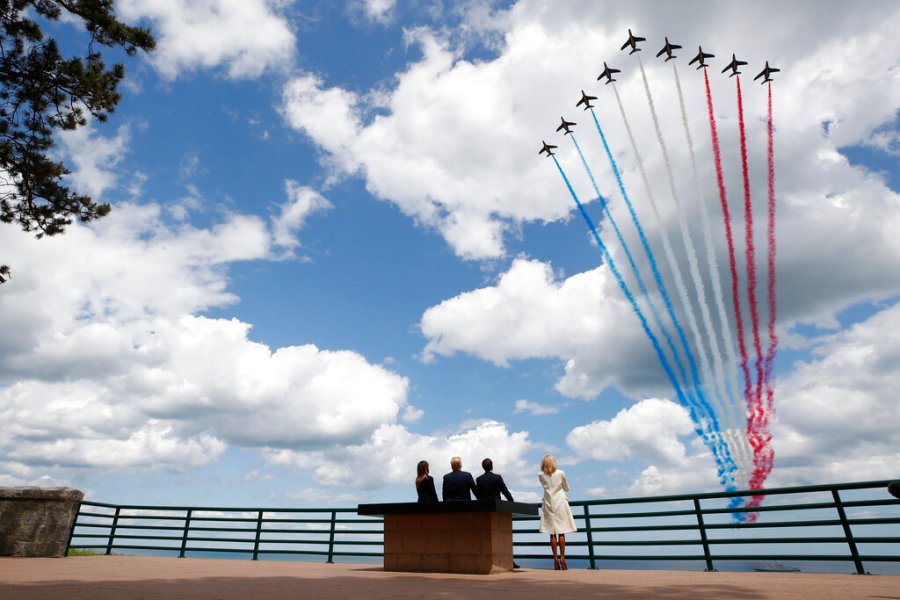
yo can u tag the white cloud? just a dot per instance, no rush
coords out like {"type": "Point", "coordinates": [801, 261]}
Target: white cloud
{"type": "Point", "coordinates": [328, 115]}
{"type": "Point", "coordinates": [835, 414]}
{"type": "Point", "coordinates": [389, 456]}
{"type": "Point", "coordinates": [411, 414]}
{"type": "Point", "coordinates": [650, 429]}
{"type": "Point", "coordinates": [244, 37]}
{"type": "Point", "coordinates": [535, 408]}
{"type": "Point", "coordinates": [302, 202]}
{"type": "Point", "coordinates": [531, 314]}
{"type": "Point", "coordinates": [92, 158]}
{"type": "Point", "coordinates": [101, 333]}
{"type": "Point", "coordinates": [379, 11]}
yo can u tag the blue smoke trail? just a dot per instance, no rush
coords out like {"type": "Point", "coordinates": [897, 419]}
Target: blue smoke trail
{"type": "Point", "coordinates": [637, 310]}
{"type": "Point", "coordinates": [714, 439]}
{"type": "Point", "coordinates": [637, 274]}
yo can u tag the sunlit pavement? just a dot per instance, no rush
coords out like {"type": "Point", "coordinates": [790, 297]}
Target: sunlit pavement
{"type": "Point", "coordinates": [131, 577]}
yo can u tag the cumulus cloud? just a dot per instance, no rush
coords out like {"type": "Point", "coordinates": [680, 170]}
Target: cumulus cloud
{"type": "Point", "coordinates": [243, 37]}
{"type": "Point", "coordinates": [649, 429]}
{"type": "Point", "coordinates": [835, 414]}
{"type": "Point", "coordinates": [92, 158]}
{"type": "Point", "coordinates": [530, 313]}
{"type": "Point", "coordinates": [109, 366]}
{"type": "Point", "coordinates": [386, 457]}
{"type": "Point", "coordinates": [302, 202]}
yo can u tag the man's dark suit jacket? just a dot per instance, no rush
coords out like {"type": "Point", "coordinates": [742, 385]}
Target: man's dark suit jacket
{"type": "Point", "coordinates": [457, 485]}
{"type": "Point", "coordinates": [490, 485]}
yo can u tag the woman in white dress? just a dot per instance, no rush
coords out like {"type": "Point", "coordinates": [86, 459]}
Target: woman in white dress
{"type": "Point", "coordinates": [556, 516]}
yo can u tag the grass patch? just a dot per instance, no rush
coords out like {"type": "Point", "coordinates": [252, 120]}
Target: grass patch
{"type": "Point", "coordinates": [82, 552]}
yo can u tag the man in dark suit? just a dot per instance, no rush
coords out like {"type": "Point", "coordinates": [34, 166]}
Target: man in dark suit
{"type": "Point", "coordinates": [490, 485]}
{"type": "Point", "coordinates": [458, 483]}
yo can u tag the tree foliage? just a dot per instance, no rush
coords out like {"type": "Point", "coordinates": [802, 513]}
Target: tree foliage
{"type": "Point", "coordinates": [43, 92]}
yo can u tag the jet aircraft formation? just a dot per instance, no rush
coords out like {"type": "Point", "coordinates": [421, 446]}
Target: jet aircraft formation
{"type": "Point", "coordinates": [733, 423]}
{"type": "Point", "coordinates": [667, 49]}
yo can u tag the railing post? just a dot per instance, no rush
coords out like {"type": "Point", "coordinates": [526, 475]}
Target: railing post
{"type": "Point", "coordinates": [706, 553]}
{"type": "Point", "coordinates": [848, 534]}
{"type": "Point", "coordinates": [187, 529]}
{"type": "Point", "coordinates": [331, 537]}
{"type": "Point", "coordinates": [112, 531]}
{"type": "Point", "coordinates": [74, 525]}
{"type": "Point", "coordinates": [259, 522]}
{"type": "Point", "coordinates": [590, 537]}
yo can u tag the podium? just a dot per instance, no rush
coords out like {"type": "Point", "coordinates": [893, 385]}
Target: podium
{"type": "Point", "coordinates": [448, 537]}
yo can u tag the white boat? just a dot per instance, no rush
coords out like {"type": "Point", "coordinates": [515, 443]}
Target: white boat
{"type": "Point", "coordinates": [777, 567]}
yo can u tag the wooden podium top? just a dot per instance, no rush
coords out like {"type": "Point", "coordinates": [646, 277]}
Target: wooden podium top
{"type": "Point", "coordinates": [452, 506]}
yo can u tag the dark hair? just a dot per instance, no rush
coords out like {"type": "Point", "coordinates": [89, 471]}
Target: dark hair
{"type": "Point", "coordinates": [421, 471]}
{"type": "Point", "coordinates": [487, 464]}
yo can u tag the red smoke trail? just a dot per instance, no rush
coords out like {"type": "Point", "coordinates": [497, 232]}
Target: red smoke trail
{"type": "Point", "coordinates": [756, 436]}
{"type": "Point", "coordinates": [732, 266]}
{"type": "Point", "coordinates": [751, 248]}
{"type": "Point", "coordinates": [758, 419]}
{"type": "Point", "coordinates": [773, 338]}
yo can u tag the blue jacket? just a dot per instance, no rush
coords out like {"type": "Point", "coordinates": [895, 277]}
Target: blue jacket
{"type": "Point", "coordinates": [458, 485]}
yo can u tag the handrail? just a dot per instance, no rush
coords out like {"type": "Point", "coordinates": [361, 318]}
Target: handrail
{"type": "Point", "coordinates": [685, 527]}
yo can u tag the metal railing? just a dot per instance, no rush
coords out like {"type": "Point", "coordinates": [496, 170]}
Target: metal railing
{"type": "Point", "coordinates": [856, 523]}
{"type": "Point", "coordinates": [181, 530]}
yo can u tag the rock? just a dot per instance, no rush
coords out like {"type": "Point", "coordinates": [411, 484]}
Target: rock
{"type": "Point", "coordinates": [37, 521]}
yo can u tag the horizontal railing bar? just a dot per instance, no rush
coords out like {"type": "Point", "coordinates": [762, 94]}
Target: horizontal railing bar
{"type": "Point", "coordinates": [219, 508]}
{"type": "Point", "coordinates": [737, 494]}
{"type": "Point", "coordinates": [145, 517]}
{"type": "Point", "coordinates": [770, 508]}
{"type": "Point", "coordinates": [798, 540]}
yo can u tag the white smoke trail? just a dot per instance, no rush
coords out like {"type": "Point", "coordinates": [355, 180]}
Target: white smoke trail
{"type": "Point", "coordinates": [736, 425]}
{"type": "Point", "coordinates": [693, 266]}
{"type": "Point", "coordinates": [718, 441]}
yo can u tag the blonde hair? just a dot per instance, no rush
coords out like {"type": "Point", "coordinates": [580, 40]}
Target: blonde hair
{"type": "Point", "coordinates": [456, 463]}
{"type": "Point", "coordinates": [548, 465]}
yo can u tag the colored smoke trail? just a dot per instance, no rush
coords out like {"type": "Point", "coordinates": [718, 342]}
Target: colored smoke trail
{"type": "Point", "coordinates": [767, 454]}
{"type": "Point", "coordinates": [696, 279]}
{"type": "Point", "coordinates": [751, 248]}
{"type": "Point", "coordinates": [713, 438]}
{"type": "Point", "coordinates": [732, 266]}
{"type": "Point", "coordinates": [773, 338]}
{"type": "Point", "coordinates": [735, 415]}
{"type": "Point", "coordinates": [637, 310]}
{"type": "Point", "coordinates": [634, 268]}
{"type": "Point", "coordinates": [757, 426]}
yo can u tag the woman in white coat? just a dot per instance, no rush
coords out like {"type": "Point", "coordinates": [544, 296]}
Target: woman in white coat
{"type": "Point", "coordinates": [556, 516]}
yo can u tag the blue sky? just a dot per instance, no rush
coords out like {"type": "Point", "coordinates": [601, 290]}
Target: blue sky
{"type": "Point", "coordinates": [334, 251]}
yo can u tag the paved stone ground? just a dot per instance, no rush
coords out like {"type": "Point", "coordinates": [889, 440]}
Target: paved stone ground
{"type": "Point", "coordinates": [136, 578]}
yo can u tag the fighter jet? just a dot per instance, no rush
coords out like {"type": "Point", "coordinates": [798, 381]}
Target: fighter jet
{"type": "Point", "coordinates": [4, 270]}
{"type": "Point", "coordinates": [565, 125]}
{"type": "Point", "coordinates": [733, 65]}
{"type": "Point", "coordinates": [586, 100]}
{"type": "Point", "coordinates": [632, 41]}
{"type": "Point", "coordinates": [668, 50]}
{"type": "Point", "coordinates": [701, 58]}
{"type": "Point", "coordinates": [548, 148]}
{"type": "Point", "coordinates": [767, 71]}
{"type": "Point", "coordinates": [608, 73]}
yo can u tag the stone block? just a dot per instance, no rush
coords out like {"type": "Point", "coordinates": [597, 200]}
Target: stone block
{"type": "Point", "coordinates": [37, 521]}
